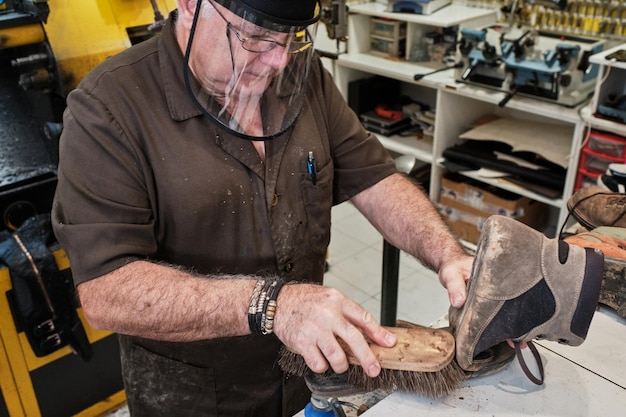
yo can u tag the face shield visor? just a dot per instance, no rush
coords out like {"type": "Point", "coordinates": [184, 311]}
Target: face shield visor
{"type": "Point", "coordinates": [252, 73]}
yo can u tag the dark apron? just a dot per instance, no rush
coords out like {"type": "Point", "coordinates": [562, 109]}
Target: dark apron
{"type": "Point", "coordinates": [235, 376]}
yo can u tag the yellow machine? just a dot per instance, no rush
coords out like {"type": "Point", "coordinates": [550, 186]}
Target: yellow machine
{"type": "Point", "coordinates": [46, 48]}
{"type": "Point", "coordinates": [58, 384]}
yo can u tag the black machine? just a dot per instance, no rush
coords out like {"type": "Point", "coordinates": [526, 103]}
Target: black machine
{"type": "Point", "coordinates": [31, 110]}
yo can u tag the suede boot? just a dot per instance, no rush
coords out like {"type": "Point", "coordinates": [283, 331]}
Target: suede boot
{"type": "Point", "coordinates": [524, 286]}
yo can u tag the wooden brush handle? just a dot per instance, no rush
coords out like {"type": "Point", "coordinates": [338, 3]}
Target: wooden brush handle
{"type": "Point", "coordinates": [418, 349]}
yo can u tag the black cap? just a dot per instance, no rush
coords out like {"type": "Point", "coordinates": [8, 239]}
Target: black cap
{"type": "Point", "coordinates": [276, 15]}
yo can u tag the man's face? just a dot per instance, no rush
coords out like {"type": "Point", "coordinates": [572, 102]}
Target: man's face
{"type": "Point", "coordinates": [220, 60]}
{"type": "Point", "coordinates": [255, 77]}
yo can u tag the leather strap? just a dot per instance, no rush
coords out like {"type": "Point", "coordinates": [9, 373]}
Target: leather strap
{"type": "Point", "coordinates": [522, 362]}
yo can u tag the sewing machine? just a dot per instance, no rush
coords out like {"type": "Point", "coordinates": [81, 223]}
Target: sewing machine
{"type": "Point", "coordinates": [517, 60]}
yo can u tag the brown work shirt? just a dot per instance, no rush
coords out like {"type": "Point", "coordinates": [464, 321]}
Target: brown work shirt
{"type": "Point", "coordinates": [144, 175]}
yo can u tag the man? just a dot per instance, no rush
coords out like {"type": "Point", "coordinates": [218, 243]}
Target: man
{"type": "Point", "coordinates": [198, 171]}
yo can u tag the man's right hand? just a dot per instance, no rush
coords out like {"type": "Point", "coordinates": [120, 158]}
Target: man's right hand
{"type": "Point", "coordinates": [310, 318]}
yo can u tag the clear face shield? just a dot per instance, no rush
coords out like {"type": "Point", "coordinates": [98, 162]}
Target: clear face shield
{"type": "Point", "coordinates": [252, 75]}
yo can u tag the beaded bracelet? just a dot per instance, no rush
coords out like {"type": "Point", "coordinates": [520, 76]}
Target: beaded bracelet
{"type": "Point", "coordinates": [262, 308]}
{"type": "Point", "coordinates": [252, 308]}
{"type": "Point", "coordinates": [269, 310]}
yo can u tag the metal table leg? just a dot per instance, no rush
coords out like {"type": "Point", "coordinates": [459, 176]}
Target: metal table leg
{"type": "Point", "coordinates": [389, 297]}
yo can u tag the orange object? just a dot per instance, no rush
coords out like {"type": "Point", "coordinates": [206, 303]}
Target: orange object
{"type": "Point", "coordinates": [383, 111]}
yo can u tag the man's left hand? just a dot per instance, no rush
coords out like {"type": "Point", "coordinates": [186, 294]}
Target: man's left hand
{"type": "Point", "coordinates": [453, 275]}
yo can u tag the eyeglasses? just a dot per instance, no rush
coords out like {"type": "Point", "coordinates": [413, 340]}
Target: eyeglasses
{"type": "Point", "coordinates": [258, 44]}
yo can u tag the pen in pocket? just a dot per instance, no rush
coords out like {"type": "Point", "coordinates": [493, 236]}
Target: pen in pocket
{"type": "Point", "coordinates": [311, 167]}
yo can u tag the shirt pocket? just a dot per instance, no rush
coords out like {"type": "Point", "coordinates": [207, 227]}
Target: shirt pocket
{"type": "Point", "coordinates": [317, 197]}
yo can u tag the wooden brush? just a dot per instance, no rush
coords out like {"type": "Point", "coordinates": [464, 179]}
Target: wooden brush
{"type": "Point", "coordinates": [421, 362]}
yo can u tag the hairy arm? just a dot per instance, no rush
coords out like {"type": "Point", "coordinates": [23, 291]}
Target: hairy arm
{"type": "Point", "coordinates": [162, 302]}
{"type": "Point", "coordinates": [407, 219]}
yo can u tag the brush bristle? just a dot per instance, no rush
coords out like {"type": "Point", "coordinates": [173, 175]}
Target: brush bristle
{"type": "Point", "coordinates": [432, 384]}
{"type": "Point", "coordinates": [292, 363]}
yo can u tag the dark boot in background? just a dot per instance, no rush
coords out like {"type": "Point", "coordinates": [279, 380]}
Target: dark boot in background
{"type": "Point", "coordinates": [594, 207]}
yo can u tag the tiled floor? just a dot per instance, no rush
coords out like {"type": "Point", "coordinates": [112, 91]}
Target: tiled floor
{"type": "Point", "coordinates": [355, 259]}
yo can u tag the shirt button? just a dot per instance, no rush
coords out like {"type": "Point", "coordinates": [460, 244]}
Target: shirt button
{"type": "Point", "coordinates": [289, 267]}
{"type": "Point", "coordinates": [275, 200]}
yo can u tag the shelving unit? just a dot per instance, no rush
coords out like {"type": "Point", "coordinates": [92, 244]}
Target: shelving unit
{"type": "Point", "coordinates": [613, 74]}
{"type": "Point", "coordinates": [457, 105]}
{"type": "Point", "coordinates": [358, 35]}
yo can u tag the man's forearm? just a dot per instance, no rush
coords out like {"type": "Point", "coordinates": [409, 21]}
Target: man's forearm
{"type": "Point", "coordinates": [406, 217]}
{"type": "Point", "coordinates": [160, 302]}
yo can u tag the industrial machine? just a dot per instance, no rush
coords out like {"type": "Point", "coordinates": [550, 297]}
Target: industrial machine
{"type": "Point", "coordinates": [334, 15]}
{"type": "Point", "coordinates": [46, 48]}
{"type": "Point", "coordinates": [517, 60]}
{"type": "Point", "coordinates": [45, 51]}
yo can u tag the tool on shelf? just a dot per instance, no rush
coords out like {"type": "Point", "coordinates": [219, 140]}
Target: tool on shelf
{"type": "Point", "coordinates": [418, 77]}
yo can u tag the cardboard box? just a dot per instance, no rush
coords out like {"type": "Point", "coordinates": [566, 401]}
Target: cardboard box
{"type": "Point", "coordinates": [466, 205]}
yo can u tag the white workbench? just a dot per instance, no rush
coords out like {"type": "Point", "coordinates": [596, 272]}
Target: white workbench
{"type": "Point", "coordinates": [584, 381]}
